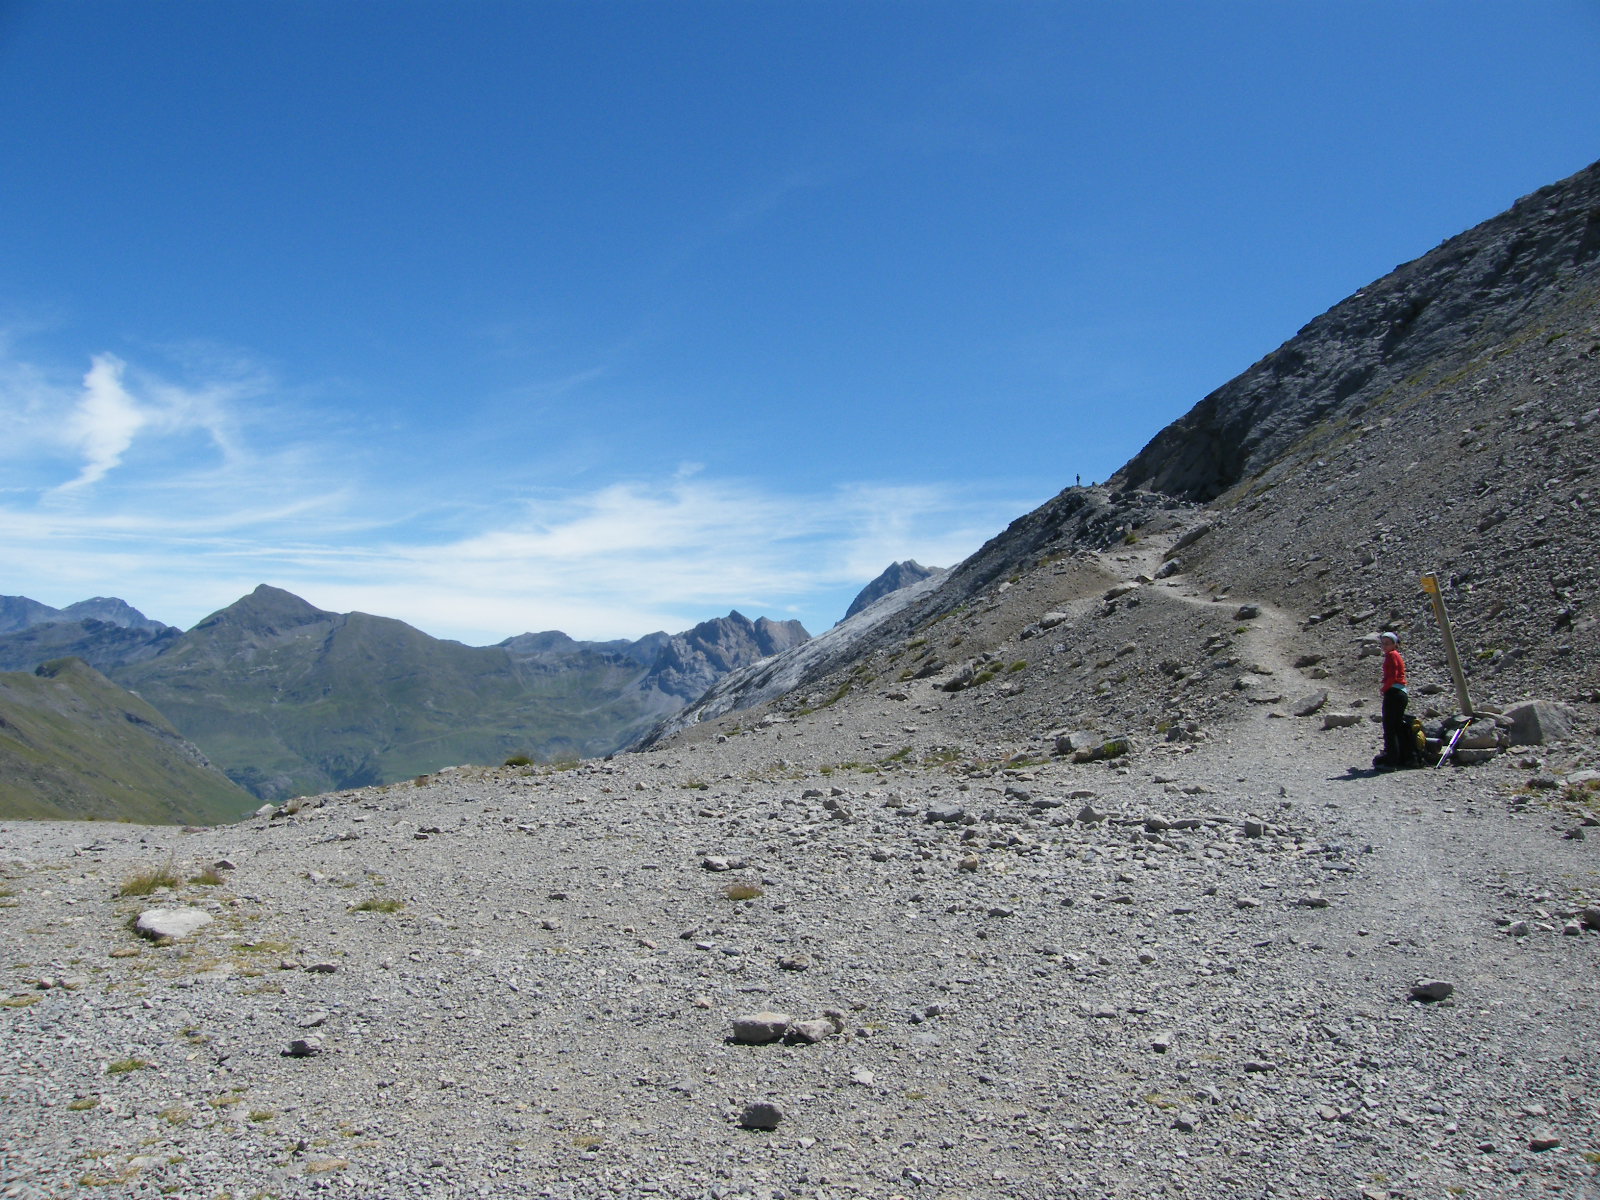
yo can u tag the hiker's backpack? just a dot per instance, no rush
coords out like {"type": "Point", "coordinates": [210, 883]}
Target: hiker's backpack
{"type": "Point", "coordinates": [1414, 742]}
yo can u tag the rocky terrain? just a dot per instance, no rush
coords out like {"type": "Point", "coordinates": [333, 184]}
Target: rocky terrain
{"type": "Point", "coordinates": [1188, 970]}
{"type": "Point", "coordinates": [1062, 874]}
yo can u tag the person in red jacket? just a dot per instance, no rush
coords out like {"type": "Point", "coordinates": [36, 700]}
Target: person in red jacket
{"type": "Point", "coordinates": [1396, 752]}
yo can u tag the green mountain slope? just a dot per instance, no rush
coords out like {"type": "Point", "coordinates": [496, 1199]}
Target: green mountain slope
{"type": "Point", "coordinates": [73, 745]}
{"type": "Point", "coordinates": [289, 699]}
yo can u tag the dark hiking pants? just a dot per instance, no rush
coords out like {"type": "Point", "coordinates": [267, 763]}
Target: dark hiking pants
{"type": "Point", "coordinates": [1396, 747]}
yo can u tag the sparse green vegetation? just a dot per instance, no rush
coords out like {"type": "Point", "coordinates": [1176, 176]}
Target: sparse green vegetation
{"type": "Point", "coordinates": [1019, 665]}
{"type": "Point", "coordinates": [207, 877]}
{"type": "Point", "coordinates": [378, 904]}
{"type": "Point", "coordinates": [20, 1001]}
{"type": "Point", "coordinates": [143, 883]}
{"type": "Point", "coordinates": [262, 947]}
{"type": "Point", "coordinates": [742, 891]}
{"type": "Point", "coordinates": [519, 760]}
{"type": "Point", "coordinates": [126, 1066]}
{"type": "Point", "coordinates": [83, 1104]}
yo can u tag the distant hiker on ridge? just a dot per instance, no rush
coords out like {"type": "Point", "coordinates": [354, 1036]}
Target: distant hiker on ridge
{"type": "Point", "coordinates": [1395, 699]}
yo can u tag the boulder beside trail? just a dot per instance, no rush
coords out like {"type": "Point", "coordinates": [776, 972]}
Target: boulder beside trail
{"type": "Point", "coordinates": [1538, 722]}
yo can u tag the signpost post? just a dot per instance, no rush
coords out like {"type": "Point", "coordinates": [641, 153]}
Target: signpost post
{"type": "Point", "coordinates": [1430, 584]}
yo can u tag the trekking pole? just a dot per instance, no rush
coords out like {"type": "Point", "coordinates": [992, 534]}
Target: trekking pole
{"type": "Point", "coordinates": [1430, 584]}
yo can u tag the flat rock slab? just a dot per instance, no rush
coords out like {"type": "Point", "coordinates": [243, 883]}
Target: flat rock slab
{"type": "Point", "coordinates": [174, 923]}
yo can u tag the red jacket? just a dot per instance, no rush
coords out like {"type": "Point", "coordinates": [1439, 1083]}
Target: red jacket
{"type": "Point", "coordinates": [1394, 670]}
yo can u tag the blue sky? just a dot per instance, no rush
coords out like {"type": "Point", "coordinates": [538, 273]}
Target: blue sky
{"type": "Point", "coordinates": [609, 317]}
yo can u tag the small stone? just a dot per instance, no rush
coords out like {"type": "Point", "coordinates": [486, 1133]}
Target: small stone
{"type": "Point", "coordinates": [1313, 900]}
{"type": "Point", "coordinates": [1431, 990]}
{"type": "Point", "coordinates": [1308, 705]}
{"type": "Point", "coordinates": [1339, 720]}
{"type": "Point", "coordinates": [174, 923]}
{"type": "Point", "coordinates": [715, 862]}
{"type": "Point", "coordinates": [323, 968]}
{"type": "Point", "coordinates": [1185, 1122]}
{"type": "Point", "coordinates": [795, 962]}
{"type": "Point", "coordinates": [762, 1114]}
{"type": "Point", "coordinates": [1543, 1142]}
{"type": "Point", "coordinates": [1257, 1066]}
{"type": "Point", "coordinates": [811, 1031]}
{"type": "Point", "coordinates": [1247, 902]}
{"type": "Point", "coordinates": [306, 1047]}
{"type": "Point", "coordinates": [1161, 1042]}
{"type": "Point", "coordinates": [756, 1028]}
{"type": "Point", "coordinates": [967, 862]}
{"type": "Point", "coordinates": [862, 1077]}
{"type": "Point", "coordinates": [1254, 829]}
{"type": "Point", "coordinates": [312, 1020]}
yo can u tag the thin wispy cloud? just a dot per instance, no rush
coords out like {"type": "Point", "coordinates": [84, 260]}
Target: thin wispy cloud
{"type": "Point", "coordinates": [182, 495]}
{"type": "Point", "coordinates": [104, 423]}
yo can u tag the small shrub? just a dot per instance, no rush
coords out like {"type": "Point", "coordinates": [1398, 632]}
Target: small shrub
{"type": "Point", "coordinates": [376, 904]}
{"type": "Point", "coordinates": [519, 760]}
{"type": "Point", "coordinates": [742, 891]}
{"type": "Point", "coordinates": [142, 883]}
{"type": "Point", "coordinates": [207, 877]}
{"type": "Point", "coordinates": [1019, 665]}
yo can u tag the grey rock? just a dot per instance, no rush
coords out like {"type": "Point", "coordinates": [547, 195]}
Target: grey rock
{"type": "Point", "coordinates": [306, 1047]}
{"type": "Point", "coordinates": [1307, 705]}
{"type": "Point", "coordinates": [1432, 990]}
{"type": "Point", "coordinates": [174, 923]}
{"type": "Point", "coordinates": [1340, 720]}
{"type": "Point", "coordinates": [761, 1114]}
{"type": "Point", "coordinates": [760, 1027]}
{"type": "Point", "coordinates": [1538, 722]}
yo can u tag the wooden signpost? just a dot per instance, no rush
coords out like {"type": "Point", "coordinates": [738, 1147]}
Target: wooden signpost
{"type": "Point", "coordinates": [1430, 584]}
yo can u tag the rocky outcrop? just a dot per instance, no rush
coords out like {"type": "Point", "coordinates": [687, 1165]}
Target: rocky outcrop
{"type": "Point", "coordinates": [693, 661]}
{"type": "Point", "coordinates": [895, 576]}
{"type": "Point", "coordinates": [1438, 310]}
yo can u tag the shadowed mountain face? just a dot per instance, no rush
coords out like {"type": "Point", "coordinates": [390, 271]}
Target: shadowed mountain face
{"type": "Point", "coordinates": [895, 576]}
{"type": "Point", "coordinates": [73, 746]}
{"type": "Point", "coordinates": [105, 632]}
{"type": "Point", "coordinates": [1433, 315]}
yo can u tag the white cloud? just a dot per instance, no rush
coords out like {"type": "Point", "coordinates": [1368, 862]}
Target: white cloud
{"type": "Point", "coordinates": [105, 422]}
{"type": "Point", "coordinates": [186, 495]}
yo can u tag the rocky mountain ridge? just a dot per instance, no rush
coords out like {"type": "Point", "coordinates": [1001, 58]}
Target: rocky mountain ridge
{"type": "Point", "coordinates": [1466, 450]}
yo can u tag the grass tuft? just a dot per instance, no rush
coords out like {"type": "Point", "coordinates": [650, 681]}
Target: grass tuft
{"type": "Point", "coordinates": [126, 1066]}
{"type": "Point", "coordinates": [377, 904]}
{"type": "Point", "coordinates": [142, 883]}
{"type": "Point", "coordinates": [742, 891]}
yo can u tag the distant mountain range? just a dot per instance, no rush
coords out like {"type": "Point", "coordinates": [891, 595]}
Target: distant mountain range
{"type": "Point", "coordinates": [288, 699]}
